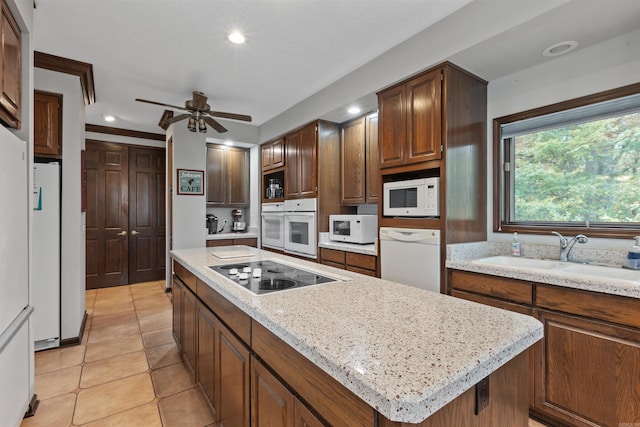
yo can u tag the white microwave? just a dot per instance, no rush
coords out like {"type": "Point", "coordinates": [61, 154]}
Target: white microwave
{"type": "Point", "coordinates": [414, 198]}
{"type": "Point", "coordinates": [360, 229]}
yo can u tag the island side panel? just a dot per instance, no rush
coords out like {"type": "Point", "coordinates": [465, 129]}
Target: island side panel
{"type": "Point", "coordinates": [508, 402]}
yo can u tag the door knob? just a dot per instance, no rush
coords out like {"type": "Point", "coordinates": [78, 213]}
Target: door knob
{"type": "Point", "coordinates": [122, 233]}
{"type": "Point", "coordinates": [134, 233]}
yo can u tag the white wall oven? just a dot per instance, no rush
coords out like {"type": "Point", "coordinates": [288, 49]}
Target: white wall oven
{"type": "Point", "coordinates": [300, 227]}
{"type": "Point", "coordinates": [273, 225]}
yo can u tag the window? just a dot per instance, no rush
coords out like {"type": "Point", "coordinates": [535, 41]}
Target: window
{"type": "Point", "coordinates": [573, 166]}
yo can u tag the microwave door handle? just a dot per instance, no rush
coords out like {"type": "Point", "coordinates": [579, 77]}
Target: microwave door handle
{"type": "Point", "coordinates": [405, 237]}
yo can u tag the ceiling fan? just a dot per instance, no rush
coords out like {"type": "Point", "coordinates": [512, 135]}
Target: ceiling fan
{"type": "Point", "coordinates": [199, 113]}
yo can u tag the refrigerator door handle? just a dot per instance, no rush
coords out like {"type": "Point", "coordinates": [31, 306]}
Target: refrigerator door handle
{"type": "Point", "coordinates": [14, 327]}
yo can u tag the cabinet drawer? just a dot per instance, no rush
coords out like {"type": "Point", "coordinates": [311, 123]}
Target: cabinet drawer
{"type": "Point", "coordinates": [332, 255]}
{"type": "Point", "coordinates": [364, 271]}
{"type": "Point", "coordinates": [246, 241]}
{"type": "Point", "coordinates": [185, 275]}
{"type": "Point", "coordinates": [237, 320]}
{"type": "Point", "coordinates": [332, 264]}
{"type": "Point", "coordinates": [493, 302]}
{"type": "Point", "coordinates": [497, 287]}
{"type": "Point", "coordinates": [361, 260]}
{"type": "Point", "coordinates": [611, 308]}
{"type": "Point", "coordinates": [219, 242]}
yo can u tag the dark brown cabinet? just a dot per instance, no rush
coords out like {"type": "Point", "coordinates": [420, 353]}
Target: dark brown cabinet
{"type": "Point", "coordinates": [273, 154]}
{"type": "Point", "coordinates": [351, 261]}
{"type": "Point", "coordinates": [185, 322]}
{"type": "Point", "coordinates": [10, 69]}
{"type": "Point", "coordinates": [584, 371]}
{"type": "Point", "coordinates": [301, 177]}
{"type": "Point", "coordinates": [234, 380]}
{"type": "Point", "coordinates": [410, 117]}
{"type": "Point", "coordinates": [359, 161]}
{"type": "Point", "coordinates": [207, 347]}
{"type": "Point", "coordinates": [227, 176]}
{"type": "Point", "coordinates": [47, 124]}
{"type": "Point", "coordinates": [247, 241]}
{"type": "Point", "coordinates": [272, 404]}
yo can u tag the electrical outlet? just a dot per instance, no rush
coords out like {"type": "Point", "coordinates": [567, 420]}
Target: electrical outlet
{"type": "Point", "coordinates": [482, 395]}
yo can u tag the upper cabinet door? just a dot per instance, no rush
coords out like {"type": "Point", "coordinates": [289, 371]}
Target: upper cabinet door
{"type": "Point", "coordinates": [423, 117]}
{"type": "Point", "coordinates": [308, 162]}
{"type": "Point", "coordinates": [216, 176]}
{"type": "Point", "coordinates": [353, 162]}
{"type": "Point", "coordinates": [238, 177]}
{"type": "Point", "coordinates": [47, 108]}
{"type": "Point", "coordinates": [292, 173]}
{"type": "Point", "coordinates": [392, 126]}
{"type": "Point", "coordinates": [373, 170]}
{"type": "Point", "coordinates": [10, 69]}
{"type": "Point", "coordinates": [277, 153]}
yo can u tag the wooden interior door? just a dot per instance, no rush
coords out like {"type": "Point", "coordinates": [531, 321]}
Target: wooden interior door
{"type": "Point", "coordinates": [107, 221]}
{"type": "Point", "coordinates": [147, 223]}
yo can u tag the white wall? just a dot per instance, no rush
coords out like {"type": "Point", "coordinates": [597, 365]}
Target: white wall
{"type": "Point", "coordinates": [601, 67]}
{"type": "Point", "coordinates": [73, 220]}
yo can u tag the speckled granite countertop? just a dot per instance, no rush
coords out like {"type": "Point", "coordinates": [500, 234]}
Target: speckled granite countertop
{"type": "Point", "coordinates": [222, 236]}
{"type": "Point", "coordinates": [463, 256]}
{"type": "Point", "coordinates": [407, 352]}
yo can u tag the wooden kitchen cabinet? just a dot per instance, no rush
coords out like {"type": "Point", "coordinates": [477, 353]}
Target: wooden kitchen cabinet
{"type": "Point", "coordinates": [47, 124]}
{"type": "Point", "coordinates": [359, 161]}
{"type": "Point", "coordinates": [584, 371]}
{"type": "Point", "coordinates": [233, 375]}
{"type": "Point", "coordinates": [301, 175]}
{"type": "Point", "coordinates": [272, 404]}
{"type": "Point", "coordinates": [410, 116]}
{"type": "Point", "coordinates": [207, 347]}
{"type": "Point", "coordinates": [227, 176]}
{"type": "Point", "coordinates": [247, 241]}
{"type": "Point", "coordinates": [189, 330]}
{"type": "Point", "coordinates": [10, 69]}
{"type": "Point", "coordinates": [177, 289]}
{"type": "Point", "coordinates": [351, 261]}
{"type": "Point", "coordinates": [273, 154]}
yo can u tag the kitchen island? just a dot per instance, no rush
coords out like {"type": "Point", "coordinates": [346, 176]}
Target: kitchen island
{"type": "Point", "coordinates": [361, 345]}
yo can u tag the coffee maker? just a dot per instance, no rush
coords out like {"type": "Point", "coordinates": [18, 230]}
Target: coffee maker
{"type": "Point", "coordinates": [212, 223]}
{"type": "Point", "coordinates": [237, 225]}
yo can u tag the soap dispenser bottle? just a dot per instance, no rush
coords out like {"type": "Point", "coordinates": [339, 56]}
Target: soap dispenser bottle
{"type": "Point", "coordinates": [515, 246]}
{"type": "Point", "coordinates": [633, 257]}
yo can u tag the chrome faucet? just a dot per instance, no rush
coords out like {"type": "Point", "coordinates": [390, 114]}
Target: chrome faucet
{"type": "Point", "coordinates": [566, 245]}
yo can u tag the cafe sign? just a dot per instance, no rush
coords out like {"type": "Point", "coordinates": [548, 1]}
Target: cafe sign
{"type": "Point", "coordinates": [190, 182]}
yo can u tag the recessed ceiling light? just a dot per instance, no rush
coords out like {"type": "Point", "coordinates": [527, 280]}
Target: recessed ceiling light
{"type": "Point", "coordinates": [560, 48]}
{"type": "Point", "coordinates": [353, 110]}
{"type": "Point", "coordinates": [109, 118]}
{"type": "Point", "coordinates": [228, 143]}
{"type": "Point", "coordinates": [236, 38]}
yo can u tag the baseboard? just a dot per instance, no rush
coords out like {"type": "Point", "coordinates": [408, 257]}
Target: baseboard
{"type": "Point", "coordinates": [68, 342]}
{"type": "Point", "coordinates": [33, 406]}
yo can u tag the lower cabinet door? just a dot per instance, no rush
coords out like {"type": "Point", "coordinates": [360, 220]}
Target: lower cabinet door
{"type": "Point", "coordinates": [189, 323]}
{"type": "Point", "coordinates": [272, 403]}
{"type": "Point", "coordinates": [233, 379]}
{"type": "Point", "coordinates": [588, 373]}
{"type": "Point", "coordinates": [206, 355]}
{"type": "Point", "coordinates": [303, 417]}
{"type": "Point", "coordinates": [176, 299]}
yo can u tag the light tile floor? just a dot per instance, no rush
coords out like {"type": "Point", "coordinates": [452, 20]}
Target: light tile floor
{"type": "Point", "coordinates": [126, 372]}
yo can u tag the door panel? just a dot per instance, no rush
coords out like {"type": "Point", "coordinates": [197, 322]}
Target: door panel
{"type": "Point", "coordinates": [147, 215]}
{"type": "Point", "coordinates": [107, 215]}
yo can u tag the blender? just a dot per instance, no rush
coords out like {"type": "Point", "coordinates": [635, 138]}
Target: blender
{"type": "Point", "coordinates": [237, 226]}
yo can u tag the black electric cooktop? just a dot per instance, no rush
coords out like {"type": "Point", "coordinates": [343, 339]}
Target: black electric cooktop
{"type": "Point", "coordinates": [275, 276]}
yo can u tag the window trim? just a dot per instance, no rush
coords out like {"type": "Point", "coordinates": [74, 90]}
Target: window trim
{"type": "Point", "coordinates": [501, 200]}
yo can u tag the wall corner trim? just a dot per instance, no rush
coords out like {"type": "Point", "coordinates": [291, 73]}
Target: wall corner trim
{"type": "Point", "coordinates": [69, 66]}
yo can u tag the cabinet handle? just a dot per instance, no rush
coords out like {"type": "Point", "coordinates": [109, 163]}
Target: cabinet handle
{"type": "Point", "coordinates": [134, 233]}
{"type": "Point", "coordinates": [122, 233]}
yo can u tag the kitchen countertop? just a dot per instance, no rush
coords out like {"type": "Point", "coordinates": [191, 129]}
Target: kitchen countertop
{"type": "Point", "coordinates": [222, 236]}
{"type": "Point", "coordinates": [600, 284]}
{"type": "Point", "coordinates": [405, 351]}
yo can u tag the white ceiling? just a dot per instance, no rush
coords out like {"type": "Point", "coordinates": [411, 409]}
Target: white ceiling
{"type": "Point", "coordinates": [164, 49]}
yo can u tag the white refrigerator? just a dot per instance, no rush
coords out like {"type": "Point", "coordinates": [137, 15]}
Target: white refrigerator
{"type": "Point", "coordinates": [16, 345]}
{"type": "Point", "coordinates": [45, 255]}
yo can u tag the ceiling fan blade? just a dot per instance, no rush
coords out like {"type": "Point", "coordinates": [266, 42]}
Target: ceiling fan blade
{"type": "Point", "coordinates": [199, 100]}
{"type": "Point", "coordinates": [177, 118]}
{"type": "Point", "coordinates": [233, 116]}
{"type": "Point", "coordinates": [214, 124]}
{"type": "Point", "coordinates": [161, 104]}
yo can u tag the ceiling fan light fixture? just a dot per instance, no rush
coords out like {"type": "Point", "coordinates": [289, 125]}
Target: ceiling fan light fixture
{"type": "Point", "coordinates": [201, 126]}
{"type": "Point", "coordinates": [236, 37]}
{"type": "Point", "coordinates": [191, 125]}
